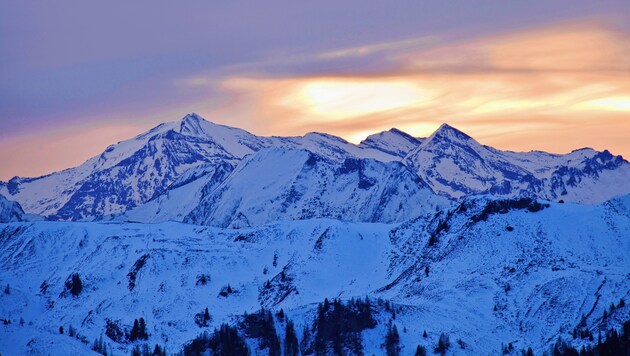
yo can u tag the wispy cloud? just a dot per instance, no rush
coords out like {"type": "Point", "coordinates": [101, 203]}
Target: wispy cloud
{"type": "Point", "coordinates": [402, 45]}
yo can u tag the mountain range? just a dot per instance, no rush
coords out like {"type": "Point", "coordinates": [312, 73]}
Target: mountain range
{"type": "Point", "coordinates": [197, 161]}
{"type": "Point", "coordinates": [194, 225]}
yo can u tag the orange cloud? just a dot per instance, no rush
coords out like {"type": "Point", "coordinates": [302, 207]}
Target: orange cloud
{"type": "Point", "coordinates": [580, 46]}
{"type": "Point", "coordinates": [555, 88]}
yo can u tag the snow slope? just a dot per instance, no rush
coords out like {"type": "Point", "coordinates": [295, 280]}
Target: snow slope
{"type": "Point", "coordinates": [181, 197]}
{"type": "Point", "coordinates": [543, 270]}
{"type": "Point", "coordinates": [393, 141]}
{"type": "Point", "coordinates": [10, 211]}
{"type": "Point", "coordinates": [278, 184]}
{"type": "Point", "coordinates": [542, 266]}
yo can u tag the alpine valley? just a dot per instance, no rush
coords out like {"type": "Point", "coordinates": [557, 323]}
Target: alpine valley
{"type": "Point", "coordinates": [198, 238]}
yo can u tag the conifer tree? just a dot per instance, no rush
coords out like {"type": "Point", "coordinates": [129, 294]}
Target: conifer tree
{"type": "Point", "coordinates": [290, 341]}
{"type": "Point", "coordinates": [392, 341]}
{"type": "Point", "coordinates": [77, 285]}
{"type": "Point", "coordinates": [420, 351]}
{"type": "Point", "coordinates": [443, 344]}
{"type": "Point", "coordinates": [142, 331]}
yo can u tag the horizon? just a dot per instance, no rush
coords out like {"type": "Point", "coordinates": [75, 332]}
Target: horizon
{"type": "Point", "coordinates": [516, 77]}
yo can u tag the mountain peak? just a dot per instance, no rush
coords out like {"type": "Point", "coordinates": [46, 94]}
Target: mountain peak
{"type": "Point", "coordinates": [448, 130]}
{"type": "Point", "coordinates": [322, 135]}
{"type": "Point", "coordinates": [191, 124]}
{"type": "Point", "coordinates": [398, 132]}
{"type": "Point", "coordinates": [193, 117]}
{"type": "Point", "coordinates": [393, 141]}
{"type": "Point", "coordinates": [393, 131]}
{"type": "Point", "coordinates": [402, 134]}
{"type": "Point", "coordinates": [447, 133]}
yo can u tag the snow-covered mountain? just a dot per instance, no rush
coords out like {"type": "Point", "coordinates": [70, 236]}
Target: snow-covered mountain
{"type": "Point", "coordinates": [279, 184]}
{"type": "Point", "coordinates": [486, 273]}
{"type": "Point", "coordinates": [131, 172]}
{"type": "Point", "coordinates": [139, 170]}
{"type": "Point", "coordinates": [10, 211]}
{"type": "Point", "coordinates": [454, 164]}
{"type": "Point", "coordinates": [176, 165]}
{"type": "Point", "coordinates": [181, 197]}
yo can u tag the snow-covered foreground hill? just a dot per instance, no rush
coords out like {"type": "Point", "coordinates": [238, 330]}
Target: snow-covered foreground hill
{"type": "Point", "coordinates": [486, 272]}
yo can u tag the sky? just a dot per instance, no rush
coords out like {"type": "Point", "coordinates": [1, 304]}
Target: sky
{"type": "Point", "coordinates": [77, 76]}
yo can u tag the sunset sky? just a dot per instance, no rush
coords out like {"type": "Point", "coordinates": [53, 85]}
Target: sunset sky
{"type": "Point", "coordinates": [76, 76]}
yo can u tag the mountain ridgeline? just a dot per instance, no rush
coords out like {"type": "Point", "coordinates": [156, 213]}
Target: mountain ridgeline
{"type": "Point", "coordinates": [203, 173]}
